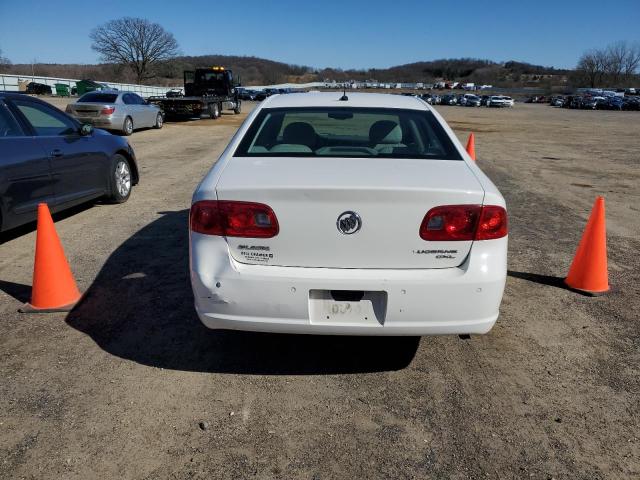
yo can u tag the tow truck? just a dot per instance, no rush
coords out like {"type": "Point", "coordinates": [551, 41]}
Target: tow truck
{"type": "Point", "coordinates": [207, 91]}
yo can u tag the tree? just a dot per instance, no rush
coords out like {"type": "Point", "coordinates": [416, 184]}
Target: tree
{"type": "Point", "coordinates": [610, 66]}
{"type": "Point", "coordinates": [4, 61]}
{"type": "Point", "coordinates": [134, 42]}
{"type": "Point", "coordinates": [591, 66]}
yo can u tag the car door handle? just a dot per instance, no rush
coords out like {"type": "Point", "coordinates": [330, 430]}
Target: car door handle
{"type": "Point", "coordinates": [56, 153]}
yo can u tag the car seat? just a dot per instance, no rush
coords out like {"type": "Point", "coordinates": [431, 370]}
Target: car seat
{"type": "Point", "coordinates": [385, 135]}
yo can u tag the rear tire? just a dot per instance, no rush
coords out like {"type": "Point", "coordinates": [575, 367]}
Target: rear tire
{"type": "Point", "coordinates": [159, 121]}
{"type": "Point", "coordinates": [214, 110]}
{"type": "Point", "coordinates": [120, 181]}
{"type": "Point", "coordinates": [127, 126]}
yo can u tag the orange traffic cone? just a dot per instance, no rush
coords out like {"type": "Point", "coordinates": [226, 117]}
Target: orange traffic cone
{"type": "Point", "coordinates": [588, 272]}
{"type": "Point", "coordinates": [54, 289]}
{"type": "Point", "coordinates": [471, 146]}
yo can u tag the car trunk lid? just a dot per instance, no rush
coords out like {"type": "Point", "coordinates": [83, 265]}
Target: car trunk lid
{"type": "Point", "coordinates": [310, 197]}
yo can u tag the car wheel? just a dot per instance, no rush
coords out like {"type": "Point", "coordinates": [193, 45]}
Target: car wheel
{"type": "Point", "coordinates": [159, 121]}
{"type": "Point", "coordinates": [120, 180]}
{"type": "Point", "coordinates": [127, 127]}
{"type": "Point", "coordinates": [214, 110]}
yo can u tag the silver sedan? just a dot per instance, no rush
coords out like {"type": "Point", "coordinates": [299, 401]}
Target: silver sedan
{"type": "Point", "coordinates": [113, 110]}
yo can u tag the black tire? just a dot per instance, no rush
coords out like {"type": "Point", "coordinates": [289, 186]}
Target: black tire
{"type": "Point", "coordinates": [159, 121]}
{"type": "Point", "coordinates": [127, 126]}
{"type": "Point", "coordinates": [120, 179]}
{"type": "Point", "coordinates": [238, 108]}
{"type": "Point", "coordinates": [214, 110]}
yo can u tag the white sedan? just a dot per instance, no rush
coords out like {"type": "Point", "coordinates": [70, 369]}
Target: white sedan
{"type": "Point", "coordinates": [500, 101]}
{"type": "Point", "coordinates": [357, 216]}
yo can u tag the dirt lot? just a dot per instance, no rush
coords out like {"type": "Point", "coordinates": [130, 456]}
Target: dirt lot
{"type": "Point", "coordinates": [131, 385]}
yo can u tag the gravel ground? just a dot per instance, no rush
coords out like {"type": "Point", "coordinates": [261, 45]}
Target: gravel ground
{"type": "Point", "coordinates": [131, 385]}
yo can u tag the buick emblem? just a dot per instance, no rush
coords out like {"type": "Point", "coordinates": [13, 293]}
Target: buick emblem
{"type": "Point", "coordinates": [349, 223]}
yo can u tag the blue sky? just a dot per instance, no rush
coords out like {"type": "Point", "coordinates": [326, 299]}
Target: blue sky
{"type": "Point", "coordinates": [343, 34]}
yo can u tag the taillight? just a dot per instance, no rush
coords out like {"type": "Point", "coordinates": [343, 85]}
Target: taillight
{"type": "Point", "coordinates": [107, 110]}
{"type": "Point", "coordinates": [450, 222]}
{"type": "Point", "coordinates": [464, 222]}
{"type": "Point", "coordinates": [493, 223]}
{"type": "Point", "coordinates": [231, 218]}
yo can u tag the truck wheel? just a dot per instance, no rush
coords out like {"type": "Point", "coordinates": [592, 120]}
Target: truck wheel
{"type": "Point", "coordinates": [238, 108]}
{"type": "Point", "coordinates": [214, 110]}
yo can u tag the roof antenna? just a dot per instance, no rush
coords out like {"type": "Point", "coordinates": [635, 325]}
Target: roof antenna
{"type": "Point", "coordinates": [344, 97]}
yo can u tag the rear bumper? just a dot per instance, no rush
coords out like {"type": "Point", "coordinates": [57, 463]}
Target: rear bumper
{"type": "Point", "coordinates": [114, 122]}
{"type": "Point", "coordinates": [232, 295]}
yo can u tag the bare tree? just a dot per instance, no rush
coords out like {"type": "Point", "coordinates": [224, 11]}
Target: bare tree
{"type": "Point", "coordinates": [592, 66]}
{"type": "Point", "coordinates": [609, 66]}
{"type": "Point", "coordinates": [616, 54]}
{"type": "Point", "coordinates": [135, 42]}
{"type": "Point", "coordinates": [4, 61]}
{"type": "Point", "coordinates": [631, 60]}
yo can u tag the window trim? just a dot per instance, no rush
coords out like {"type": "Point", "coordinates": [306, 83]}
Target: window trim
{"type": "Point", "coordinates": [13, 107]}
{"type": "Point", "coordinates": [241, 151]}
{"type": "Point", "coordinates": [5, 107]}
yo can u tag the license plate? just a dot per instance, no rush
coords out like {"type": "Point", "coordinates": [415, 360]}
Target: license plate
{"type": "Point", "coordinates": [371, 309]}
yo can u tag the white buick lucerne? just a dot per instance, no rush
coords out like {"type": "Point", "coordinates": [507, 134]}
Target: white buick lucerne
{"type": "Point", "coordinates": [359, 214]}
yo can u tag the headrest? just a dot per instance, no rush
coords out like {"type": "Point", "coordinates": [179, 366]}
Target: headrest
{"type": "Point", "coordinates": [385, 131]}
{"type": "Point", "coordinates": [301, 133]}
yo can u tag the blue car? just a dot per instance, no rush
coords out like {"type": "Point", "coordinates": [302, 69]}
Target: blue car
{"type": "Point", "coordinates": [48, 156]}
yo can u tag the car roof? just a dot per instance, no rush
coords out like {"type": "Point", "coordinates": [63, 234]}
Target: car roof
{"type": "Point", "coordinates": [332, 99]}
{"type": "Point", "coordinates": [24, 96]}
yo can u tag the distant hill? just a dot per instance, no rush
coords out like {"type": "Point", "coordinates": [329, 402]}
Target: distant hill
{"type": "Point", "coordinates": [260, 71]}
{"type": "Point", "coordinates": [455, 69]}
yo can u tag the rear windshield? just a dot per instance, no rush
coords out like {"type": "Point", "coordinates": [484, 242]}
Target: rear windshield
{"type": "Point", "coordinates": [98, 98]}
{"type": "Point", "coordinates": [347, 132]}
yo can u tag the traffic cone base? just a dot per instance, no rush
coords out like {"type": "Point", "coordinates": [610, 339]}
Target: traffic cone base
{"type": "Point", "coordinates": [54, 288]}
{"type": "Point", "coordinates": [588, 293]}
{"type": "Point", "coordinates": [28, 308]}
{"type": "Point", "coordinates": [589, 273]}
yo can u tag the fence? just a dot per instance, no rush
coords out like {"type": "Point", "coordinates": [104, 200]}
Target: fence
{"type": "Point", "coordinates": [11, 83]}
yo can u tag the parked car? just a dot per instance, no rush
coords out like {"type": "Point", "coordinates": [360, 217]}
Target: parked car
{"type": "Point", "coordinates": [120, 111]}
{"type": "Point", "coordinates": [48, 156]}
{"type": "Point", "coordinates": [566, 103]}
{"type": "Point", "coordinates": [174, 93]}
{"type": "Point", "coordinates": [591, 103]}
{"type": "Point", "coordinates": [246, 94]}
{"type": "Point", "coordinates": [341, 246]}
{"type": "Point", "coordinates": [484, 99]}
{"type": "Point", "coordinates": [449, 99]}
{"type": "Point", "coordinates": [576, 102]}
{"type": "Point", "coordinates": [615, 103]}
{"type": "Point", "coordinates": [472, 101]}
{"type": "Point", "coordinates": [631, 104]}
{"type": "Point", "coordinates": [556, 101]}
{"type": "Point", "coordinates": [35, 88]}
{"type": "Point", "coordinates": [260, 95]}
{"type": "Point", "coordinates": [500, 101]}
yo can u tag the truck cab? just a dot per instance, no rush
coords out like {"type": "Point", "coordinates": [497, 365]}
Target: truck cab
{"type": "Point", "coordinates": [208, 81]}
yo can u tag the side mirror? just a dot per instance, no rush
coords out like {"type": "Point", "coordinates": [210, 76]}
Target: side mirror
{"type": "Point", "coordinates": [86, 130]}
